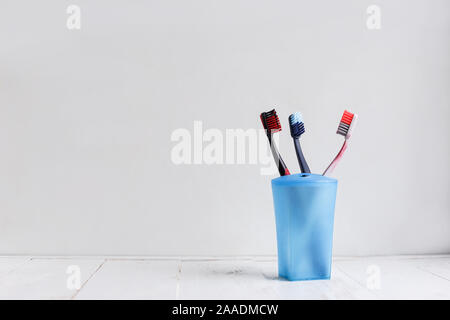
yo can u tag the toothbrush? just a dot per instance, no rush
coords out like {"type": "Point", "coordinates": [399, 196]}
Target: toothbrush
{"type": "Point", "coordinates": [345, 128]}
{"type": "Point", "coordinates": [271, 124]}
{"type": "Point", "coordinates": [297, 129]}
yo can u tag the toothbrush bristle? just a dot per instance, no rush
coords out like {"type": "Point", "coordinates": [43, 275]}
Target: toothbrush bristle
{"type": "Point", "coordinates": [344, 124]}
{"type": "Point", "coordinates": [296, 124]}
{"type": "Point", "coordinates": [271, 121]}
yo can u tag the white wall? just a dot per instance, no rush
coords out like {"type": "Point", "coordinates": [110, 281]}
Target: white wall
{"type": "Point", "coordinates": [86, 118]}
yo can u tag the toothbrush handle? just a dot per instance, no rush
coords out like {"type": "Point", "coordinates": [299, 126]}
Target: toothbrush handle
{"type": "Point", "coordinates": [300, 157]}
{"type": "Point", "coordinates": [336, 160]}
{"type": "Point", "coordinates": [282, 168]}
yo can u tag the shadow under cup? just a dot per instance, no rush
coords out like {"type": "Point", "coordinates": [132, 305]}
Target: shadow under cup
{"type": "Point", "coordinates": [304, 213]}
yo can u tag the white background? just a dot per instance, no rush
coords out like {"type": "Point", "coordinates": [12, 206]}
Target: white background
{"type": "Point", "coordinates": [86, 118]}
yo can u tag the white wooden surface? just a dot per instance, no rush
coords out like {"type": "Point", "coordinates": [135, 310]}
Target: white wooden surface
{"type": "Point", "coordinates": [133, 279]}
{"type": "Point", "coordinates": [410, 277]}
{"type": "Point", "coordinates": [43, 278]}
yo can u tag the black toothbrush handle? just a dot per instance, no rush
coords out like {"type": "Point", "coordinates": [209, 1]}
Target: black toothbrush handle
{"type": "Point", "coordinates": [282, 168]}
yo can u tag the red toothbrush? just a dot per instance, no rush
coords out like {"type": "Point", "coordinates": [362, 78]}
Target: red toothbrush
{"type": "Point", "coordinates": [271, 124]}
{"type": "Point", "coordinates": [345, 128]}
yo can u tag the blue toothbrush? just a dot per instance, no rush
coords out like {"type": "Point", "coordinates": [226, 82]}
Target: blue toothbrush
{"type": "Point", "coordinates": [297, 129]}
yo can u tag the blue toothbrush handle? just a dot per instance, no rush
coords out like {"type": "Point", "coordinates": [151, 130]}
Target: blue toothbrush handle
{"type": "Point", "coordinates": [301, 158]}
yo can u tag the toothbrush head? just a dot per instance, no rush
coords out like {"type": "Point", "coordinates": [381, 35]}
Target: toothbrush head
{"type": "Point", "coordinates": [270, 121]}
{"type": "Point", "coordinates": [296, 125]}
{"type": "Point", "coordinates": [347, 124]}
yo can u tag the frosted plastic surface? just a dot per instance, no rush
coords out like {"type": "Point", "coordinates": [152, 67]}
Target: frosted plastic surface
{"type": "Point", "coordinates": [304, 213]}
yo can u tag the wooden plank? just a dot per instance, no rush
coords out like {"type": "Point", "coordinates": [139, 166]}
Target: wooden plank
{"type": "Point", "coordinates": [9, 264]}
{"type": "Point", "coordinates": [258, 279]}
{"type": "Point", "coordinates": [398, 278]}
{"type": "Point", "coordinates": [133, 279]}
{"type": "Point", "coordinates": [223, 279]}
{"type": "Point", "coordinates": [45, 278]}
{"type": "Point", "coordinates": [340, 286]}
{"type": "Point", "coordinates": [440, 267]}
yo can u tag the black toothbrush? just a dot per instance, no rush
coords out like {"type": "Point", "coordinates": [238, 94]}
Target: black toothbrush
{"type": "Point", "coordinates": [271, 124]}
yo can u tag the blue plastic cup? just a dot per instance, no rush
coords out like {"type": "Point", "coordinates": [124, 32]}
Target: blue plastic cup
{"type": "Point", "coordinates": [304, 214]}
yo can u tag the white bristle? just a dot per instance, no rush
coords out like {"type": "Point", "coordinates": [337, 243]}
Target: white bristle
{"type": "Point", "coordinates": [296, 117]}
{"type": "Point", "coordinates": [352, 126]}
